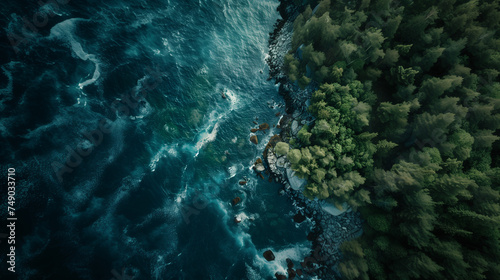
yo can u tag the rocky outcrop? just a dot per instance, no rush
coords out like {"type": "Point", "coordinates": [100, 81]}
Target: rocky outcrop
{"type": "Point", "coordinates": [235, 200]}
{"type": "Point", "coordinates": [269, 255]}
{"type": "Point", "coordinates": [264, 126]}
{"type": "Point", "coordinates": [289, 263]}
{"type": "Point", "coordinates": [280, 276]}
{"type": "Point", "coordinates": [259, 167]}
{"type": "Point", "coordinates": [254, 139]}
{"type": "Point", "coordinates": [330, 228]}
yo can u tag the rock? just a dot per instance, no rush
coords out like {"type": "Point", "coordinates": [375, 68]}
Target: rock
{"type": "Point", "coordinates": [260, 167]}
{"type": "Point", "coordinates": [269, 256]}
{"type": "Point", "coordinates": [253, 130]}
{"type": "Point", "coordinates": [281, 162]}
{"type": "Point", "coordinates": [291, 273]}
{"type": "Point", "coordinates": [311, 236]}
{"type": "Point", "coordinates": [289, 263]}
{"type": "Point", "coordinates": [278, 114]}
{"type": "Point", "coordinates": [260, 175]}
{"type": "Point", "coordinates": [254, 139]}
{"type": "Point", "coordinates": [299, 218]}
{"type": "Point", "coordinates": [236, 200]}
{"type": "Point", "coordinates": [280, 276]}
{"type": "Point", "coordinates": [237, 219]}
{"type": "Point", "coordinates": [258, 161]}
{"type": "Point", "coordinates": [264, 126]}
{"type": "Point", "coordinates": [295, 126]}
{"type": "Point", "coordinates": [299, 272]}
{"type": "Point", "coordinates": [242, 183]}
{"type": "Point", "coordinates": [295, 182]}
{"type": "Point", "coordinates": [255, 122]}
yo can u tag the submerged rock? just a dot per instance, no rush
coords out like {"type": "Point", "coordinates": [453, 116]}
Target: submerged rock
{"type": "Point", "coordinates": [269, 256]}
{"type": "Point", "coordinates": [242, 183]}
{"type": "Point", "coordinates": [299, 218]}
{"type": "Point", "coordinates": [254, 139]}
{"type": "Point", "coordinates": [236, 200]}
{"type": "Point", "coordinates": [291, 273]}
{"type": "Point", "coordinates": [253, 130]}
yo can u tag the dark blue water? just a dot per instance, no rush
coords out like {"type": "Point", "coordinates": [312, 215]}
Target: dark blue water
{"type": "Point", "coordinates": [149, 193]}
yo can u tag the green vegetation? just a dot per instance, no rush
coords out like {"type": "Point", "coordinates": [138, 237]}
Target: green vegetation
{"type": "Point", "coordinates": [407, 122]}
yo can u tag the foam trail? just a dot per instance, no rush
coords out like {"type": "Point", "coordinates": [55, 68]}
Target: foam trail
{"type": "Point", "coordinates": [64, 31]}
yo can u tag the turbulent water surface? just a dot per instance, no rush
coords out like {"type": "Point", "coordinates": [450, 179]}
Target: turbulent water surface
{"type": "Point", "coordinates": [126, 155]}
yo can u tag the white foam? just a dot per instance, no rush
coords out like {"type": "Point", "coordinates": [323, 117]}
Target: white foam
{"type": "Point", "coordinates": [296, 253]}
{"type": "Point", "coordinates": [64, 31]}
{"type": "Point", "coordinates": [233, 99]}
{"type": "Point", "coordinates": [165, 150]}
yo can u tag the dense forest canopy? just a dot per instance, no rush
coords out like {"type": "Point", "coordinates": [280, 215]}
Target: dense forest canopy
{"type": "Point", "coordinates": [407, 118]}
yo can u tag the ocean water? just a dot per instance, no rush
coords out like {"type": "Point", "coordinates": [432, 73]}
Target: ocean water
{"type": "Point", "coordinates": [126, 155]}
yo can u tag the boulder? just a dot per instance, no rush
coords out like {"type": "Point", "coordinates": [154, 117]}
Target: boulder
{"type": "Point", "coordinates": [295, 182]}
{"type": "Point", "coordinates": [237, 219]}
{"type": "Point", "coordinates": [281, 162]}
{"type": "Point", "coordinates": [264, 126]}
{"type": "Point", "coordinates": [291, 273]}
{"type": "Point", "coordinates": [260, 167]}
{"type": "Point", "coordinates": [295, 127]}
{"type": "Point", "coordinates": [254, 139]}
{"type": "Point", "coordinates": [333, 210]}
{"type": "Point", "coordinates": [299, 218]}
{"type": "Point", "coordinates": [253, 130]}
{"type": "Point", "coordinates": [258, 161]}
{"type": "Point", "coordinates": [280, 276]}
{"type": "Point", "coordinates": [289, 263]}
{"type": "Point", "coordinates": [269, 256]}
{"type": "Point", "coordinates": [242, 183]}
{"type": "Point", "coordinates": [236, 200]}
{"type": "Point", "coordinates": [311, 236]}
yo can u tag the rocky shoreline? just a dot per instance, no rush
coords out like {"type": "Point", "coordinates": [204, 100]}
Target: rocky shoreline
{"type": "Point", "coordinates": [330, 226]}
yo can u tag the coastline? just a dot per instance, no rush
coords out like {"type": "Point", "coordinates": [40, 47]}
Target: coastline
{"type": "Point", "coordinates": [329, 229]}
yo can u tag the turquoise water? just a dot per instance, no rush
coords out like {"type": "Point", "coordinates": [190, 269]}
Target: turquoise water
{"type": "Point", "coordinates": [153, 198]}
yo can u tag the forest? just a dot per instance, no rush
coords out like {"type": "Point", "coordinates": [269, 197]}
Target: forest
{"type": "Point", "coordinates": [407, 119]}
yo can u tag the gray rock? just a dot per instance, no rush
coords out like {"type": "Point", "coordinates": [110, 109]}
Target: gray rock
{"type": "Point", "coordinates": [295, 182]}
{"type": "Point", "coordinates": [295, 127]}
{"type": "Point", "coordinates": [260, 167]}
